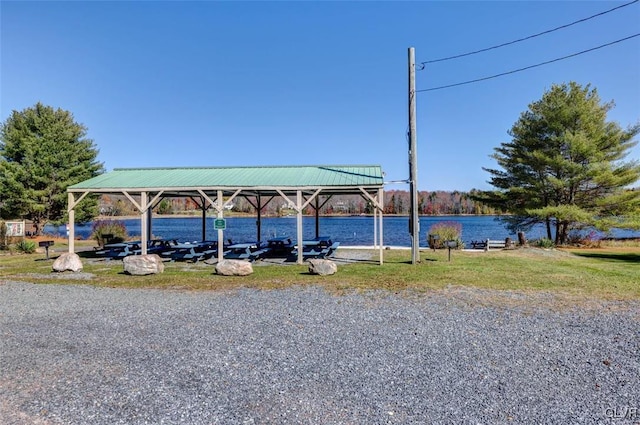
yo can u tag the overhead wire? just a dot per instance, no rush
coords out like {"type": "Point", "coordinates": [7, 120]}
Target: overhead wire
{"type": "Point", "coordinates": [528, 37]}
{"type": "Point", "coordinates": [528, 67]}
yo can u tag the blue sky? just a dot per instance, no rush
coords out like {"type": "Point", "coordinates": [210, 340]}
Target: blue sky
{"type": "Point", "coordinates": [290, 83]}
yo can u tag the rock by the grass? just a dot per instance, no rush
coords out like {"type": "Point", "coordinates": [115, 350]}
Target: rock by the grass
{"type": "Point", "coordinates": [234, 268]}
{"type": "Point", "coordinates": [140, 265]}
{"type": "Point", "coordinates": [69, 261]}
{"type": "Point", "coordinates": [322, 267]}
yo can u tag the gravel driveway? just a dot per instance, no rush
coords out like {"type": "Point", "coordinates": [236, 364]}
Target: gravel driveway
{"type": "Point", "coordinates": [75, 354]}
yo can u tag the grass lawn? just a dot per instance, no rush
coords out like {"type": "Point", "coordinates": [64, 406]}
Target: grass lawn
{"type": "Point", "coordinates": [610, 273]}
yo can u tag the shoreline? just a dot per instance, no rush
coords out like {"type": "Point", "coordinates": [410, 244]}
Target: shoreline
{"type": "Point", "coordinates": [132, 217]}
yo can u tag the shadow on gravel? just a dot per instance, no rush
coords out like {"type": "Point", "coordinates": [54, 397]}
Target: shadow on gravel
{"type": "Point", "coordinates": [625, 257]}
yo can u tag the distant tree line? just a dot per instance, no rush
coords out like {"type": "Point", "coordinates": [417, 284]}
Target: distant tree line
{"type": "Point", "coordinates": [438, 202]}
{"type": "Point", "coordinates": [396, 202]}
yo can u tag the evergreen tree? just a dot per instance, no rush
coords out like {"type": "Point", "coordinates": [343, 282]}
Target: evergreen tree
{"type": "Point", "coordinates": [42, 152]}
{"type": "Point", "coordinates": [564, 165]}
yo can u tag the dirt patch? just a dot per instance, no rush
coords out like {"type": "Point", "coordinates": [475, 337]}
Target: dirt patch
{"type": "Point", "coordinates": [545, 252]}
{"type": "Point", "coordinates": [55, 275]}
{"type": "Point", "coordinates": [608, 250]}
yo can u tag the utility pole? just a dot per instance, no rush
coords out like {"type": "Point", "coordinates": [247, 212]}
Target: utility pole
{"type": "Point", "coordinates": [414, 219]}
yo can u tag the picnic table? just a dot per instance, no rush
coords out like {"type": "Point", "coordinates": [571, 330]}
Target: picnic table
{"type": "Point", "coordinates": [319, 247]}
{"type": "Point", "coordinates": [320, 241]}
{"type": "Point", "coordinates": [158, 246]}
{"type": "Point", "coordinates": [250, 251]}
{"type": "Point", "coordinates": [193, 251]}
{"type": "Point", "coordinates": [120, 250]}
{"type": "Point", "coordinates": [279, 247]}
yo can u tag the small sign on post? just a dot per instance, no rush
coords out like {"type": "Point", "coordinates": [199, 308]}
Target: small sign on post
{"type": "Point", "coordinates": [219, 224]}
{"type": "Point", "coordinates": [46, 245]}
{"type": "Point", "coordinates": [15, 228]}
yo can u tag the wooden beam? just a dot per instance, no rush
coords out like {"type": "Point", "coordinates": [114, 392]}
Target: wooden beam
{"type": "Point", "coordinates": [372, 199]}
{"type": "Point", "coordinates": [311, 198]}
{"type": "Point", "coordinates": [154, 199]}
{"type": "Point", "coordinates": [133, 201]}
{"type": "Point", "coordinates": [72, 202]}
{"type": "Point", "coordinates": [325, 201]}
{"type": "Point", "coordinates": [205, 196]}
{"type": "Point", "coordinates": [289, 201]}
{"type": "Point", "coordinates": [232, 197]}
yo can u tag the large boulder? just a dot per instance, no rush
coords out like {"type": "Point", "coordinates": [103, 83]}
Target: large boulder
{"type": "Point", "coordinates": [140, 265]}
{"type": "Point", "coordinates": [322, 267]}
{"type": "Point", "coordinates": [69, 261]}
{"type": "Point", "coordinates": [234, 268]}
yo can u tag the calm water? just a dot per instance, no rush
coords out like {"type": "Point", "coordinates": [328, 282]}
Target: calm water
{"type": "Point", "coordinates": [346, 230]}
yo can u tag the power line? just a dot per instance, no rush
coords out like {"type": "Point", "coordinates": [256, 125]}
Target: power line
{"type": "Point", "coordinates": [528, 67]}
{"type": "Point", "coordinates": [528, 37]}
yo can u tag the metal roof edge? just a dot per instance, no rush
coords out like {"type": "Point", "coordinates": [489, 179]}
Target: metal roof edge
{"type": "Point", "coordinates": [248, 166]}
{"type": "Point", "coordinates": [209, 188]}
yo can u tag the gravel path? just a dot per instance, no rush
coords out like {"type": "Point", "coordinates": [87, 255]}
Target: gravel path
{"type": "Point", "coordinates": [74, 354]}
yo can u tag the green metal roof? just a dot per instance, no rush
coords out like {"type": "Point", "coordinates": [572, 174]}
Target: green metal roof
{"type": "Point", "coordinates": [329, 176]}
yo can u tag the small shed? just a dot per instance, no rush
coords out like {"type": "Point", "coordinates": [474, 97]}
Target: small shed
{"type": "Point", "coordinates": [217, 187]}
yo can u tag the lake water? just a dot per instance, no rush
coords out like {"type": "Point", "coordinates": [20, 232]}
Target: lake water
{"type": "Point", "coordinates": [347, 230]}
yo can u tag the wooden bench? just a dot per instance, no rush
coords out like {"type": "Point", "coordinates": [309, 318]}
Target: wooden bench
{"type": "Point", "coordinates": [488, 244]}
{"type": "Point", "coordinates": [478, 244]}
{"type": "Point", "coordinates": [491, 244]}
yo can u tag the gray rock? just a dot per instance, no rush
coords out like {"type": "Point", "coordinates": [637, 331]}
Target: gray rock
{"type": "Point", "coordinates": [322, 267]}
{"type": "Point", "coordinates": [140, 265]}
{"type": "Point", "coordinates": [67, 261]}
{"type": "Point", "coordinates": [234, 268]}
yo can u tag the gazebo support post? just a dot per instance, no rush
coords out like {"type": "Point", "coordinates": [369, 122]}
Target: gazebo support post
{"type": "Point", "coordinates": [149, 218]}
{"type": "Point", "coordinates": [375, 227]}
{"type": "Point", "coordinates": [381, 219]}
{"type": "Point", "coordinates": [220, 209]}
{"type": "Point", "coordinates": [72, 219]}
{"type": "Point", "coordinates": [144, 222]}
{"type": "Point", "coordinates": [204, 219]}
{"type": "Point", "coordinates": [259, 221]}
{"type": "Point", "coordinates": [299, 225]}
{"type": "Point", "coordinates": [317, 208]}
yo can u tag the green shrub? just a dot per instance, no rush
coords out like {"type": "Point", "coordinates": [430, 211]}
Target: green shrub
{"type": "Point", "coordinates": [25, 246]}
{"type": "Point", "coordinates": [164, 207]}
{"type": "Point", "coordinates": [445, 231]}
{"type": "Point", "coordinates": [544, 243]}
{"type": "Point", "coordinates": [115, 228]}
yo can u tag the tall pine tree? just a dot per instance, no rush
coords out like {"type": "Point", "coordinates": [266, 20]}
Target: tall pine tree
{"type": "Point", "coordinates": [42, 152]}
{"type": "Point", "coordinates": [565, 167]}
